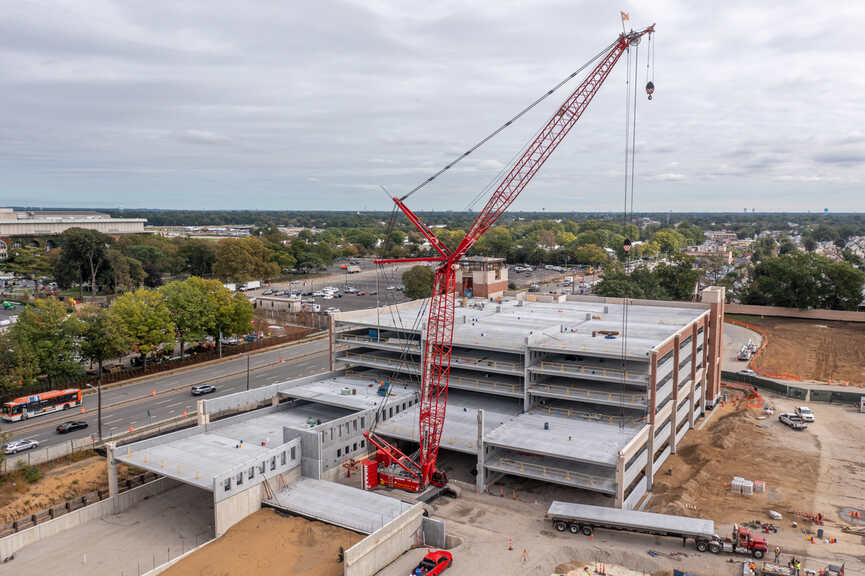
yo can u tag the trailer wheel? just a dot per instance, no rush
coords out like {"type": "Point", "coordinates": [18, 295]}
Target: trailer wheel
{"type": "Point", "coordinates": [586, 529]}
{"type": "Point", "coordinates": [574, 528]}
{"type": "Point", "coordinates": [758, 554]}
{"type": "Point", "coordinates": [702, 545]}
{"type": "Point", "coordinates": [714, 547]}
{"type": "Point", "coordinates": [561, 526]}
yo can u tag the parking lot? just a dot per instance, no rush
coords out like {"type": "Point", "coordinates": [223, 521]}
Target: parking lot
{"type": "Point", "coordinates": [553, 280]}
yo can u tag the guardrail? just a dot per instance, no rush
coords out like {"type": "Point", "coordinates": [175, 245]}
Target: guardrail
{"type": "Point", "coordinates": [584, 415]}
{"type": "Point", "coordinates": [547, 471]}
{"type": "Point", "coordinates": [73, 504]}
{"type": "Point", "coordinates": [390, 362]}
{"type": "Point", "coordinates": [573, 368]}
{"type": "Point", "coordinates": [583, 394]}
{"type": "Point", "coordinates": [485, 384]}
{"type": "Point", "coordinates": [487, 363]}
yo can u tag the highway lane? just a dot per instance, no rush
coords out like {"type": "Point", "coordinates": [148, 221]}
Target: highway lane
{"type": "Point", "coordinates": [135, 405]}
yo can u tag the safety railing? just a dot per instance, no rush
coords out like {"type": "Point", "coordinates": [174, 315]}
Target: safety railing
{"type": "Point", "coordinates": [584, 394]}
{"type": "Point", "coordinates": [584, 370]}
{"type": "Point", "coordinates": [372, 359]}
{"type": "Point", "coordinates": [413, 345]}
{"type": "Point", "coordinates": [485, 384]}
{"type": "Point", "coordinates": [551, 471]}
{"type": "Point", "coordinates": [462, 361]}
{"type": "Point", "coordinates": [586, 415]}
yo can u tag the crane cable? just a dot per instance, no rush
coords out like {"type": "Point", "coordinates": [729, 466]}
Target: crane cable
{"type": "Point", "coordinates": [501, 128]}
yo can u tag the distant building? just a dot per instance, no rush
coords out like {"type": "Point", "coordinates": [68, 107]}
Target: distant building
{"type": "Point", "coordinates": [710, 251]}
{"type": "Point", "coordinates": [51, 223]}
{"type": "Point", "coordinates": [721, 236]}
{"type": "Point", "coordinates": [482, 277]}
{"type": "Point", "coordinates": [290, 304]}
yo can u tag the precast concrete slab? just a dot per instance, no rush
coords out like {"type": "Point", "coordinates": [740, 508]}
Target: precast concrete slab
{"type": "Point", "coordinates": [350, 392]}
{"type": "Point", "coordinates": [196, 455]}
{"type": "Point", "coordinates": [461, 420]}
{"type": "Point", "coordinates": [579, 440]}
{"type": "Point", "coordinates": [359, 510]}
{"type": "Point", "coordinates": [571, 327]}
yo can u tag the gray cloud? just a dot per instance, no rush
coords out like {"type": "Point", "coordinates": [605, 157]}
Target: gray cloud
{"type": "Point", "coordinates": [314, 105]}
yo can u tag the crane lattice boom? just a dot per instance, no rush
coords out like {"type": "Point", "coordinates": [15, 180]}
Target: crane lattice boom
{"type": "Point", "coordinates": [438, 343]}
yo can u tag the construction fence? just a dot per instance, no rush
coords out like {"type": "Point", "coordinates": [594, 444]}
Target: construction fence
{"type": "Point", "coordinates": [800, 393]}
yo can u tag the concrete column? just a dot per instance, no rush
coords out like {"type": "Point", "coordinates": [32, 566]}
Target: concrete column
{"type": "Point", "coordinates": [111, 463]}
{"type": "Point", "coordinates": [673, 418]}
{"type": "Point", "coordinates": [620, 480]}
{"type": "Point", "coordinates": [275, 400]}
{"type": "Point", "coordinates": [527, 360]}
{"type": "Point", "coordinates": [714, 296]}
{"type": "Point", "coordinates": [480, 479]}
{"type": "Point", "coordinates": [693, 375]}
{"type": "Point", "coordinates": [203, 416]}
{"type": "Point", "coordinates": [650, 442]}
{"type": "Point", "coordinates": [331, 340]}
{"type": "Point", "coordinates": [704, 394]}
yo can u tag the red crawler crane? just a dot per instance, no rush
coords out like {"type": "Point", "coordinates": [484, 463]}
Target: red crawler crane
{"type": "Point", "coordinates": [395, 468]}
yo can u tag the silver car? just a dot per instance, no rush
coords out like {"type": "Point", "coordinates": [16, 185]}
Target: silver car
{"type": "Point", "coordinates": [20, 446]}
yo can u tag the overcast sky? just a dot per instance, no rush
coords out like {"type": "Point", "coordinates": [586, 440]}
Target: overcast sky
{"type": "Point", "coordinates": [315, 105]}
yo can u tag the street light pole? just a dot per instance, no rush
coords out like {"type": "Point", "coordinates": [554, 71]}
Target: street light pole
{"type": "Point", "coordinates": [247, 371]}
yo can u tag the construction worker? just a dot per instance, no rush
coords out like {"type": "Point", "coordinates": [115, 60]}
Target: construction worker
{"type": "Point", "coordinates": [798, 568]}
{"type": "Point", "coordinates": [777, 554]}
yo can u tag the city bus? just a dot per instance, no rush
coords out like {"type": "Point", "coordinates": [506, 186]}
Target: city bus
{"type": "Point", "coordinates": [43, 403]}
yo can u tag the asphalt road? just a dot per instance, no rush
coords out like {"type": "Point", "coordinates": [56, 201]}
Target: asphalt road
{"type": "Point", "coordinates": [129, 405]}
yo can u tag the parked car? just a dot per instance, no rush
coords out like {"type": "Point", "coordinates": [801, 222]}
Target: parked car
{"type": "Point", "coordinates": [201, 389]}
{"type": "Point", "coordinates": [16, 446]}
{"type": "Point", "coordinates": [748, 372]}
{"type": "Point", "coordinates": [434, 563]}
{"type": "Point", "coordinates": [534, 288]}
{"type": "Point", "coordinates": [71, 426]}
{"type": "Point", "coordinates": [805, 413]}
{"type": "Point", "coordinates": [332, 310]}
{"type": "Point", "coordinates": [361, 293]}
{"type": "Point", "coordinates": [793, 421]}
{"type": "Point", "coordinates": [391, 288]}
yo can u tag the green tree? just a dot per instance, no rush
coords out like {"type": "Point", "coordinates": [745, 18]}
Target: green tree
{"type": "Point", "coordinates": [227, 313]}
{"type": "Point", "coordinates": [198, 256]}
{"type": "Point", "coordinates": [678, 279]}
{"type": "Point", "coordinates": [241, 259]}
{"type": "Point", "coordinates": [589, 254]}
{"type": "Point", "coordinates": [669, 241]}
{"type": "Point", "coordinates": [418, 281]}
{"type": "Point", "coordinates": [83, 254]}
{"type": "Point", "coordinates": [100, 340]}
{"type": "Point", "coordinates": [805, 280]}
{"type": "Point", "coordinates": [153, 261]}
{"type": "Point", "coordinates": [44, 340]}
{"type": "Point", "coordinates": [143, 319]}
{"type": "Point", "coordinates": [192, 309]}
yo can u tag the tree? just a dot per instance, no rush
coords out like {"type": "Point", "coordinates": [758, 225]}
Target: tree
{"type": "Point", "coordinates": [198, 256]}
{"type": "Point", "coordinates": [227, 313]}
{"type": "Point", "coordinates": [418, 281]}
{"type": "Point", "coordinates": [192, 310]}
{"type": "Point", "coordinates": [805, 280]}
{"type": "Point", "coordinates": [241, 259]}
{"type": "Point", "coordinates": [83, 254]}
{"type": "Point", "coordinates": [143, 319]}
{"type": "Point", "coordinates": [669, 241]}
{"type": "Point", "coordinates": [44, 340]}
{"type": "Point", "coordinates": [152, 260]}
{"type": "Point", "coordinates": [123, 273]}
{"type": "Point", "coordinates": [100, 340]}
{"type": "Point", "coordinates": [589, 254]}
{"type": "Point", "coordinates": [678, 278]}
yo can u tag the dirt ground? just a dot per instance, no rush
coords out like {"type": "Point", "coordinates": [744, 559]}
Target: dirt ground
{"type": "Point", "coordinates": [738, 441]}
{"type": "Point", "coordinates": [61, 480]}
{"type": "Point", "coordinates": [815, 350]}
{"type": "Point", "coordinates": [267, 543]}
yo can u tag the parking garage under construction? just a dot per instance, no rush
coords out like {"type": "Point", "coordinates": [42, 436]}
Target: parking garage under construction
{"type": "Point", "coordinates": [563, 391]}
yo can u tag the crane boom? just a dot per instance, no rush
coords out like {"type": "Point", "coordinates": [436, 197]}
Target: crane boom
{"type": "Point", "coordinates": [438, 342]}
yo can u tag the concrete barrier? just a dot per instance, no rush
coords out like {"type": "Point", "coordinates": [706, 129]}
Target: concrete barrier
{"type": "Point", "coordinates": [125, 500]}
{"type": "Point", "coordinates": [385, 544]}
{"type": "Point", "coordinates": [797, 392]}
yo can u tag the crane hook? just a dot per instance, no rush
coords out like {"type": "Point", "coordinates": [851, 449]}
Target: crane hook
{"type": "Point", "coordinates": [650, 89]}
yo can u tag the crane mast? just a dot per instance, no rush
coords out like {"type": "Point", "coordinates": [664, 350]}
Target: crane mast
{"type": "Point", "coordinates": [416, 474]}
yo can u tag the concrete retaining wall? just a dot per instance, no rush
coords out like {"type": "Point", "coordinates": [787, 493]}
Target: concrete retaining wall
{"type": "Point", "coordinates": [841, 315]}
{"type": "Point", "coordinates": [815, 394]}
{"type": "Point", "coordinates": [434, 532]}
{"type": "Point", "coordinates": [125, 500]}
{"type": "Point", "coordinates": [231, 510]}
{"type": "Point", "coordinates": [385, 544]}
{"type": "Point", "coordinates": [635, 495]}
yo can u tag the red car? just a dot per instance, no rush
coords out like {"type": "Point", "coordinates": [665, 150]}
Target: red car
{"type": "Point", "coordinates": [436, 562]}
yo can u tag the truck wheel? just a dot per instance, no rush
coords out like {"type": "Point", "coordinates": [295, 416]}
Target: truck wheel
{"type": "Point", "coordinates": [574, 528]}
{"type": "Point", "coordinates": [702, 545]}
{"type": "Point", "coordinates": [758, 554]}
{"type": "Point", "coordinates": [586, 529]}
{"type": "Point", "coordinates": [714, 547]}
{"type": "Point", "coordinates": [561, 526]}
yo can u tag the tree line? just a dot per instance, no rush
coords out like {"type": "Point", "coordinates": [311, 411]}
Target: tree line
{"type": "Point", "coordinates": [52, 337]}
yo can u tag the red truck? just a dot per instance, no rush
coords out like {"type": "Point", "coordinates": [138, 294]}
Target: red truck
{"type": "Point", "coordinates": [434, 563]}
{"type": "Point", "coordinates": [742, 542]}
